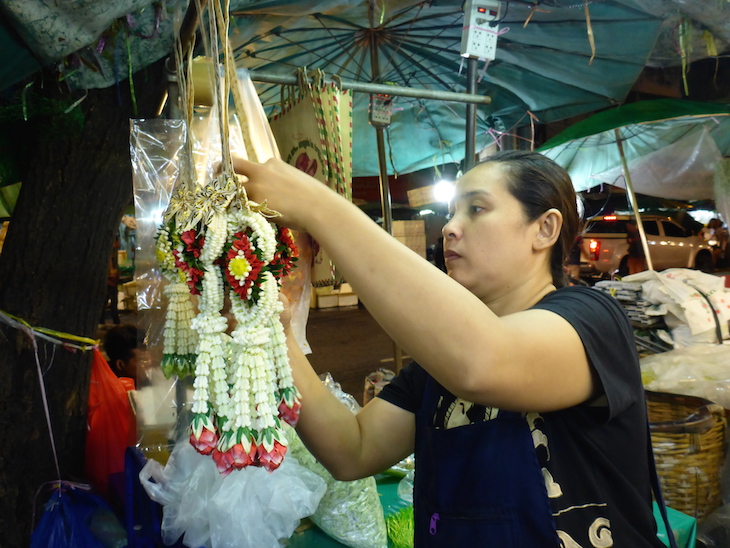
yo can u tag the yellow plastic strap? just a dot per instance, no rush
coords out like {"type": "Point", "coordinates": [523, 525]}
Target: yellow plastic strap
{"type": "Point", "coordinates": [53, 332]}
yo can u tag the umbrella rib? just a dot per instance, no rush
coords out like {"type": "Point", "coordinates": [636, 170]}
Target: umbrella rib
{"type": "Point", "coordinates": [288, 43]}
{"type": "Point", "coordinates": [320, 16]}
{"type": "Point", "coordinates": [350, 54]}
{"type": "Point", "coordinates": [285, 60]}
{"type": "Point", "coordinates": [361, 65]}
{"type": "Point", "coordinates": [395, 51]}
{"type": "Point", "coordinates": [331, 60]}
{"type": "Point", "coordinates": [420, 6]}
{"type": "Point", "coordinates": [457, 15]}
{"type": "Point", "coordinates": [438, 59]}
{"type": "Point", "coordinates": [420, 66]}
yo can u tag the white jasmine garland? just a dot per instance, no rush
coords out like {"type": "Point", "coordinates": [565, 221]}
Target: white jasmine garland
{"type": "Point", "coordinates": [240, 382]}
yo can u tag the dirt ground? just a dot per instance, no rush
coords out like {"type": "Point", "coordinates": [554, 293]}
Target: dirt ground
{"type": "Point", "coordinates": [348, 343]}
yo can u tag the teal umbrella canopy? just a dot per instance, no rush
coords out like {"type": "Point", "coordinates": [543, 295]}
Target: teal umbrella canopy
{"type": "Point", "coordinates": [544, 67]}
{"type": "Point", "coordinates": [671, 147]}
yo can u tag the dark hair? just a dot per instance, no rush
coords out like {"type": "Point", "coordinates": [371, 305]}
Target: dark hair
{"type": "Point", "coordinates": [119, 342]}
{"type": "Point", "coordinates": [540, 184]}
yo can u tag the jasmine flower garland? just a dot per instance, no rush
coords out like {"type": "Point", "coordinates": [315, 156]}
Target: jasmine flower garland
{"type": "Point", "coordinates": [179, 338]}
{"type": "Point", "coordinates": [243, 386]}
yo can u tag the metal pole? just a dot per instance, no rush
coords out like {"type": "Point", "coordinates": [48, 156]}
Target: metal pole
{"type": "Point", "coordinates": [632, 200]}
{"type": "Point", "coordinates": [471, 115]}
{"type": "Point", "coordinates": [385, 201]}
{"type": "Point", "coordinates": [400, 91]}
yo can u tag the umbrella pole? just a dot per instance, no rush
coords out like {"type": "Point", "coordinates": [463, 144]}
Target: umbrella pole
{"type": "Point", "coordinates": [632, 199]}
{"type": "Point", "coordinates": [385, 202]}
{"type": "Point", "coordinates": [471, 115]}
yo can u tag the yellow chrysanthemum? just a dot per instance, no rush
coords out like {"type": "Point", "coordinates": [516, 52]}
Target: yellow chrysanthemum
{"type": "Point", "coordinates": [239, 267]}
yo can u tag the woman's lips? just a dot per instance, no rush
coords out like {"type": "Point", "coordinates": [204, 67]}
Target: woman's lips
{"type": "Point", "coordinates": [451, 255]}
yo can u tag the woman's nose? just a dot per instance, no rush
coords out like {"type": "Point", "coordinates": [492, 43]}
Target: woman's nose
{"type": "Point", "coordinates": [450, 229]}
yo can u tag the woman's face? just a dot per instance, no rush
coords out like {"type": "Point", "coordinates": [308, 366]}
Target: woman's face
{"type": "Point", "coordinates": [487, 242]}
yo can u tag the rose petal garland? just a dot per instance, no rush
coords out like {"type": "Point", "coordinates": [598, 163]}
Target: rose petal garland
{"type": "Point", "coordinates": [242, 389]}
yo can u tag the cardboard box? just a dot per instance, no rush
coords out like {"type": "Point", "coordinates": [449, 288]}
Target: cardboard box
{"type": "Point", "coordinates": [347, 299]}
{"type": "Point", "coordinates": [327, 301]}
{"type": "Point", "coordinates": [409, 228]}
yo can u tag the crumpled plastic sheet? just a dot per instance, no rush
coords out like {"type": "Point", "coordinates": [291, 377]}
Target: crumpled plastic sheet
{"type": "Point", "coordinates": [350, 511]}
{"type": "Point", "coordinates": [699, 370]}
{"type": "Point", "coordinates": [249, 508]}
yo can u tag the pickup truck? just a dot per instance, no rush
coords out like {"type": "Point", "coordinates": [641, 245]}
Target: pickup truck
{"type": "Point", "coordinates": [604, 248]}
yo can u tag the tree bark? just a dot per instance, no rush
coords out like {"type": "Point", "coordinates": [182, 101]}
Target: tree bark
{"type": "Point", "coordinates": [53, 268]}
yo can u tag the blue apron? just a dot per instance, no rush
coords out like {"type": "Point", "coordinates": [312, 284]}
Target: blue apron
{"type": "Point", "coordinates": [479, 484]}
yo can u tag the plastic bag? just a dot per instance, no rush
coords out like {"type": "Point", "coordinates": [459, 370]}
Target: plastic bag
{"type": "Point", "coordinates": [698, 370]}
{"type": "Point", "coordinates": [76, 518]}
{"type": "Point", "coordinates": [249, 508]}
{"type": "Point", "coordinates": [111, 424]}
{"type": "Point", "coordinates": [350, 511]}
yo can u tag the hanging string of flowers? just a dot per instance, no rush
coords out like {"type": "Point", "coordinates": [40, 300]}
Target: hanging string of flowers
{"type": "Point", "coordinates": [218, 245]}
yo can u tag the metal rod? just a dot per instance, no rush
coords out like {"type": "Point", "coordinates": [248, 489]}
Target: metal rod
{"type": "Point", "coordinates": [385, 201]}
{"type": "Point", "coordinates": [632, 199]}
{"type": "Point", "coordinates": [363, 87]}
{"type": "Point", "coordinates": [470, 138]}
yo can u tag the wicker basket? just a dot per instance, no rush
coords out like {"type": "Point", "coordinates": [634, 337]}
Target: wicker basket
{"type": "Point", "coordinates": [688, 437]}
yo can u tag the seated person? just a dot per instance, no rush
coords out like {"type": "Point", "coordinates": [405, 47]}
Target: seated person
{"type": "Point", "coordinates": [123, 350]}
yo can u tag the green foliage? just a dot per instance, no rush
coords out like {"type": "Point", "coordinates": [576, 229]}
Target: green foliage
{"type": "Point", "coordinates": [400, 528]}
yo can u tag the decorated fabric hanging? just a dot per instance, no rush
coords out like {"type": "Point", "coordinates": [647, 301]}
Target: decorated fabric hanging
{"type": "Point", "coordinates": [220, 246]}
{"type": "Point", "coordinates": [298, 133]}
{"type": "Point", "coordinates": [314, 133]}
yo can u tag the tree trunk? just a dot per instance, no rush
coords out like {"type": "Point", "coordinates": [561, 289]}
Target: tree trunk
{"type": "Point", "coordinates": [53, 271]}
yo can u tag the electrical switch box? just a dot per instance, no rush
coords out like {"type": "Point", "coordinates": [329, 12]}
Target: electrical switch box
{"type": "Point", "coordinates": [381, 106]}
{"type": "Point", "coordinates": [481, 23]}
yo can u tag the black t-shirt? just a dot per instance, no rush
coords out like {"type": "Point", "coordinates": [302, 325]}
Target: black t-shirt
{"type": "Point", "coordinates": [594, 456]}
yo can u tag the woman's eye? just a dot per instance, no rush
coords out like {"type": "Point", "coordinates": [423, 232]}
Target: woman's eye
{"type": "Point", "coordinates": [475, 209]}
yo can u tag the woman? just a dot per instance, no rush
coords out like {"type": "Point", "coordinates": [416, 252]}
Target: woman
{"type": "Point", "coordinates": [525, 408]}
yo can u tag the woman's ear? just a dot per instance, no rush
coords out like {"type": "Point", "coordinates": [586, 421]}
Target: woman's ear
{"type": "Point", "coordinates": [549, 225]}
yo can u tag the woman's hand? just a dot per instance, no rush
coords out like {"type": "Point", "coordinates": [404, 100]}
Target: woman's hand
{"type": "Point", "coordinates": [285, 189]}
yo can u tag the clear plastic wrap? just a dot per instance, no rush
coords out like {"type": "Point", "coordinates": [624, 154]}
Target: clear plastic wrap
{"type": "Point", "coordinates": [251, 508]}
{"type": "Point", "coordinates": [350, 511]}
{"type": "Point", "coordinates": [683, 170]}
{"type": "Point", "coordinates": [217, 511]}
{"type": "Point", "coordinates": [698, 370]}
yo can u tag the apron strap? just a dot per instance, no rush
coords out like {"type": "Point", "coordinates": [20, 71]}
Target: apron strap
{"type": "Point", "coordinates": [658, 491]}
